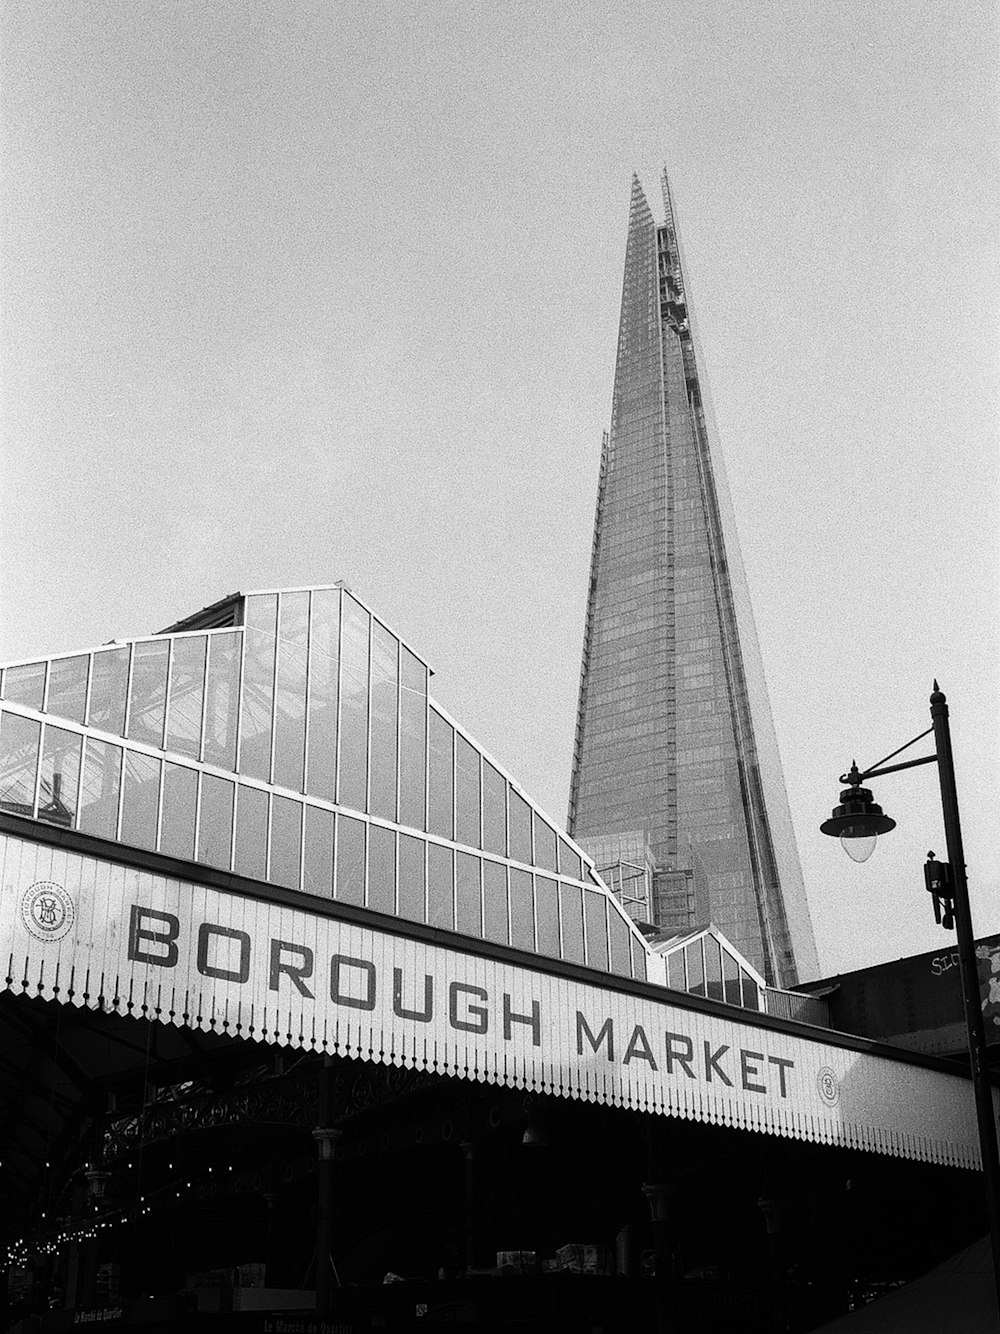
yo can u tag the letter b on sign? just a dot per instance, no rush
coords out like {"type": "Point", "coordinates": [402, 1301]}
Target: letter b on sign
{"type": "Point", "coordinates": [148, 928]}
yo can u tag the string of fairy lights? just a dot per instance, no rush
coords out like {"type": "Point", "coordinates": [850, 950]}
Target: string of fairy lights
{"type": "Point", "coordinates": [46, 1242]}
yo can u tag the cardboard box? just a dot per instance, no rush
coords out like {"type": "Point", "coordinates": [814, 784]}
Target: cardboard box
{"type": "Point", "coordinates": [520, 1262]}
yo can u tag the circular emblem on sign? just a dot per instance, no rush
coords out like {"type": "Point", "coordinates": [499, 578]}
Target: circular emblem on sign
{"type": "Point", "coordinates": [47, 910]}
{"type": "Point", "coordinates": [828, 1085]}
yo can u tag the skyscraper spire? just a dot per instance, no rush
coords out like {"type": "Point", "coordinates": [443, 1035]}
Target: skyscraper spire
{"type": "Point", "coordinates": [676, 787]}
{"type": "Point", "coordinates": [668, 203]}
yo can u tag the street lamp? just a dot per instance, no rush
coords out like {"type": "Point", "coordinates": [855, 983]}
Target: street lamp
{"type": "Point", "coordinates": [857, 822]}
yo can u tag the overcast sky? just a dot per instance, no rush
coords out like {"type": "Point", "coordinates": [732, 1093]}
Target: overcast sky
{"type": "Point", "coordinates": [297, 291]}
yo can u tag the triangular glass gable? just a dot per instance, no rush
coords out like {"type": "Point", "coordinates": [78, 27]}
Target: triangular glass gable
{"type": "Point", "coordinates": [704, 963]}
{"type": "Point", "coordinates": [290, 737]}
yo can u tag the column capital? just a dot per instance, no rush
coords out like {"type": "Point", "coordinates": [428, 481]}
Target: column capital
{"type": "Point", "coordinates": [658, 1195]}
{"type": "Point", "coordinates": [326, 1137]}
{"type": "Point", "coordinates": [772, 1210]}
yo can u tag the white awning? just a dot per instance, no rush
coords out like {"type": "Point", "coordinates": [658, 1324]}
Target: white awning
{"type": "Point", "coordinates": [84, 931]}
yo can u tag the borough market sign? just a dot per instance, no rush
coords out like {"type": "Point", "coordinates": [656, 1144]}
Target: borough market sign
{"type": "Point", "coordinates": [83, 931]}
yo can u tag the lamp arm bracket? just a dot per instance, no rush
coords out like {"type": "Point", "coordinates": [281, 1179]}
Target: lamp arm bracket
{"type": "Point", "coordinates": [875, 769]}
{"type": "Point", "coordinates": [891, 768]}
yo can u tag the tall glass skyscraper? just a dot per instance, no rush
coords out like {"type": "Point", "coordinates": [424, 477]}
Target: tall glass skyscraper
{"type": "Point", "coordinates": [677, 790]}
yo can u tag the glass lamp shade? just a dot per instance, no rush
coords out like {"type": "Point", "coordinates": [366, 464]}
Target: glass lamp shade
{"type": "Point", "coordinates": [534, 1137]}
{"type": "Point", "coordinates": [97, 1182]}
{"type": "Point", "coordinates": [857, 822]}
{"type": "Point", "coordinates": [858, 849]}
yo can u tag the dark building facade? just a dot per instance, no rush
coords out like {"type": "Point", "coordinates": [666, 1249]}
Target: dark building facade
{"type": "Point", "coordinates": [916, 1002]}
{"type": "Point", "coordinates": [676, 789]}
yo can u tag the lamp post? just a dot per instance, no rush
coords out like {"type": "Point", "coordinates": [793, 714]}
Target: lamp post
{"type": "Point", "coordinates": [857, 822]}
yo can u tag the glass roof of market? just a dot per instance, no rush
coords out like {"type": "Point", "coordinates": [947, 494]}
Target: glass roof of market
{"type": "Point", "coordinates": [289, 736]}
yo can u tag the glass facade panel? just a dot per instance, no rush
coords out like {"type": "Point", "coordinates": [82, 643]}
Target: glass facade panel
{"type": "Point", "coordinates": [520, 828]}
{"type": "Point", "coordinates": [618, 933]}
{"type": "Point", "coordinates": [67, 696]}
{"type": "Point", "coordinates": [180, 800]}
{"type": "Point", "coordinates": [731, 979]}
{"type": "Point", "coordinates": [187, 696]}
{"type": "Point", "coordinates": [317, 854]}
{"type": "Point", "coordinates": [381, 869]}
{"type": "Point", "coordinates": [675, 971]}
{"type": "Point", "coordinates": [222, 699]}
{"type": "Point", "coordinates": [108, 687]}
{"type": "Point", "coordinates": [59, 785]}
{"type": "Point", "coordinates": [385, 712]}
{"type": "Point", "coordinates": [570, 862]}
{"type": "Point", "coordinates": [25, 685]}
{"type": "Point", "coordinates": [596, 922]}
{"type": "Point", "coordinates": [147, 701]}
{"type": "Point", "coordinates": [468, 895]}
{"type": "Point", "coordinates": [324, 669]}
{"type": "Point", "coordinates": [494, 810]}
{"type": "Point", "coordinates": [412, 740]}
{"type": "Point", "coordinates": [354, 706]}
{"type": "Point", "coordinates": [522, 910]}
{"type": "Point", "coordinates": [290, 691]}
{"type": "Point", "coordinates": [215, 824]}
{"type": "Point", "coordinates": [695, 968]}
{"type": "Point", "coordinates": [440, 796]}
{"type": "Point", "coordinates": [495, 902]}
{"type": "Point", "coordinates": [751, 992]}
{"type": "Point", "coordinates": [286, 842]}
{"type": "Point", "coordinates": [411, 878]}
{"type": "Point", "coordinates": [440, 886]}
{"type": "Point", "coordinates": [350, 860]}
{"type": "Point", "coordinates": [571, 905]}
{"type": "Point", "coordinates": [100, 787]}
{"type": "Point", "coordinates": [141, 798]}
{"type": "Point", "coordinates": [547, 915]}
{"type": "Point", "coordinates": [20, 739]}
{"type": "Point", "coordinates": [251, 832]}
{"type": "Point", "coordinates": [713, 968]}
{"type": "Point", "coordinates": [640, 965]}
{"type": "Point", "coordinates": [256, 726]}
{"type": "Point", "coordinates": [466, 792]}
{"type": "Point", "coordinates": [545, 845]}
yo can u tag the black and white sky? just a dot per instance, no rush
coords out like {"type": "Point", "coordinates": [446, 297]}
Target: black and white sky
{"type": "Point", "coordinates": [296, 291]}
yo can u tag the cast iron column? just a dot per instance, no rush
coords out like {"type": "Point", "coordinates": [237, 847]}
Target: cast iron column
{"type": "Point", "coordinates": [326, 1139]}
{"type": "Point", "coordinates": [658, 1197]}
{"type": "Point", "coordinates": [474, 1257]}
{"type": "Point", "coordinates": [771, 1209]}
